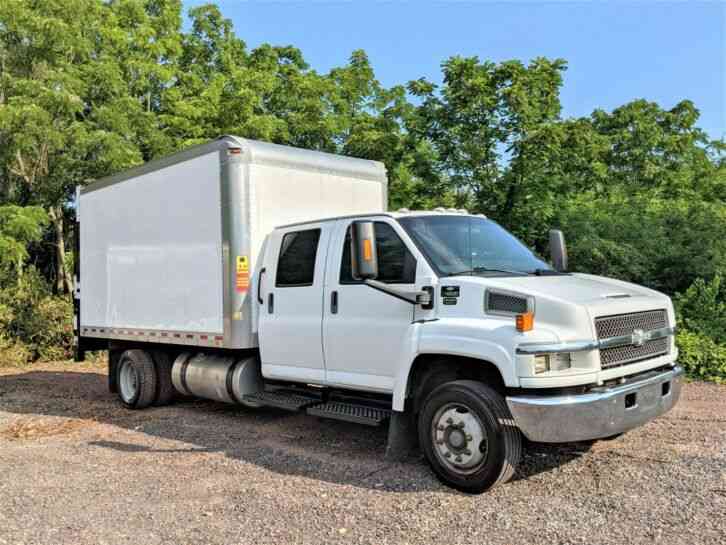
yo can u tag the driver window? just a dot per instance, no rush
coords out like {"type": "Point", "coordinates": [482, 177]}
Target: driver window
{"type": "Point", "coordinates": [396, 265]}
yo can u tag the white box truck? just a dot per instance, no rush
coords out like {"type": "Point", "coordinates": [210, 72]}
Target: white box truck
{"type": "Point", "coordinates": [270, 276]}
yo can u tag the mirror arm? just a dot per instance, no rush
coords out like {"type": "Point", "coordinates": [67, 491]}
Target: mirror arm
{"type": "Point", "coordinates": [415, 297]}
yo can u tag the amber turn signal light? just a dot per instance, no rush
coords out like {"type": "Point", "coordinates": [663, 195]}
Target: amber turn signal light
{"type": "Point", "coordinates": [367, 250]}
{"type": "Point", "coordinates": [525, 322]}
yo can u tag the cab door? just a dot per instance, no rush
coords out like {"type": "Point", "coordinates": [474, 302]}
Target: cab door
{"type": "Point", "coordinates": [365, 331]}
{"type": "Point", "coordinates": [291, 303]}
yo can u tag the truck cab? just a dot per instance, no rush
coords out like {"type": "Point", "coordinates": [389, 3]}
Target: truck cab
{"type": "Point", "coordinates": [455, 307]}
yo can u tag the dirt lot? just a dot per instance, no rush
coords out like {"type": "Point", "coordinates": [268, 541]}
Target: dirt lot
{"type": "Point", "coordinates": [75, 467]}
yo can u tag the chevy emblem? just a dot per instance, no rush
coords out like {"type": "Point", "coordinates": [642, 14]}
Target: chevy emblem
{"type": "Point", "coordinates": [638, 337]}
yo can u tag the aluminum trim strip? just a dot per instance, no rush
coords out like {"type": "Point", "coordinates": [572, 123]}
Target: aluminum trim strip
{"type": "Point", "coordinates": [191, 338]}
{"type": "Point", "coordinates": [552, 348]}
{"type": "Point", "coordinates": [638, 337]}
{"type": "Point", "coordinates": [581, 346]}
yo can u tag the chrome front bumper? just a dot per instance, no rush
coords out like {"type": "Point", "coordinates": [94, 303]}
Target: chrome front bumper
{"type": "Point", "coordinates": [602, 412]}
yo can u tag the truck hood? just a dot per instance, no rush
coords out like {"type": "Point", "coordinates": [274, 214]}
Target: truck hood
{"type": "Point", "coordinates": [568, 304]}
{"type": "Point", "coordinates": [576, 288]}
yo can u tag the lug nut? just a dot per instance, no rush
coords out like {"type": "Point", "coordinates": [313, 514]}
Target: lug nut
{"type": "Point", "coordinates": [468, 437]}
{"type": "Point", "coordinates": [440, 427]}
{"type": "Point", "coordinates": [458, 458]}
{"type": "Point", "coordinates": [447, 454]}
{"type": "Point", "coordinates": [449, 421]}
{"type": "Point", "coordinates": [467, 452]}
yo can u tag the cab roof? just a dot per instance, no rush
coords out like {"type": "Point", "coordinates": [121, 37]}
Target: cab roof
{"type": "Point", "coordinates": [400, 213]}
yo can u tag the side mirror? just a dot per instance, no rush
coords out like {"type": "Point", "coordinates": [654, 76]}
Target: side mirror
{"type": "Point", "coordinates": [558, 250]}
{"type": "Point", "coordinates": [363, 255]}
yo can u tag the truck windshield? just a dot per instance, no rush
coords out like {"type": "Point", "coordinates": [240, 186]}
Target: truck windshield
{"type": "Point", "coordinates": [471, 245]}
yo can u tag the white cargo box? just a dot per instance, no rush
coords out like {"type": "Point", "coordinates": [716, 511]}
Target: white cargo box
{"type": "Point", "coordinates": [167, 249]}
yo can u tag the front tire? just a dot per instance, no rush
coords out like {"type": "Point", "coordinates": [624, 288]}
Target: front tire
{"type": "Point", "coordinates": [136, 379]}
{"type": "Point", "coordinates": [468, 436]}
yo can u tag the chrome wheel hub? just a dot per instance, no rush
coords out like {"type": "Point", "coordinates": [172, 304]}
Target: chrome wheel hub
{"type": "Point", "coordinates": [459, 438]}
{"type": "Point", "coordinates": [128, 382]}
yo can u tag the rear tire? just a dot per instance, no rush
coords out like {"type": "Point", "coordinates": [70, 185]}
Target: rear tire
{"type": "Point", "coordinates": [164, 388]}
{"type": "Point", "coordinates": [136, 379]}
{"type": "Point", "coordinates": [468, 436]}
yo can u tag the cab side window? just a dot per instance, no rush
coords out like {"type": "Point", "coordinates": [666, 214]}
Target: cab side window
{"type": "Point", "coordinates": [296, 263]}
{"type": "Point", "coordinates": [396, 265]}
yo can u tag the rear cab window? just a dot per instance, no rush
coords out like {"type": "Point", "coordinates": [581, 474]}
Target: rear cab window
{"type": "Point", "coordinates": [296, 261]}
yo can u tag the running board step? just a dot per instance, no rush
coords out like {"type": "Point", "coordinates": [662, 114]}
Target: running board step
{"type": "Point", "coordinates": [360, 414]}
{"type": "Point", "coordinates": [288, 401]}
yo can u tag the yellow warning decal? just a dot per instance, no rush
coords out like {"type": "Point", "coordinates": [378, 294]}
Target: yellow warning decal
{"type": "Point", "coordinates": [242, 276]}
{"type": "Point", "coordinates": [243, 264]}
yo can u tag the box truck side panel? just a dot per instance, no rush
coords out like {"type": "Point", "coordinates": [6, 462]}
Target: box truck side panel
{"type": "Point", "coordinates": [151, 250]}
{"type": "Point", "coordinates": [287, 195]}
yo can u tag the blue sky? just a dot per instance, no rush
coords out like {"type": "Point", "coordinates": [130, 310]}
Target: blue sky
{"type": "Point", "coordinates": [616, 50]}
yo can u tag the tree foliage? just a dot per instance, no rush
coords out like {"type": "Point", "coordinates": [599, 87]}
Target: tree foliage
{"type": "Point", "coordinates": [19, 227]}
{"type": "Point", "coordinates": [90, 87]}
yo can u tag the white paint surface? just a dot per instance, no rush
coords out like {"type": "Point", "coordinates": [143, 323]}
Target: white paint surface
{"type": "Point", "coordinates": [152, 250]}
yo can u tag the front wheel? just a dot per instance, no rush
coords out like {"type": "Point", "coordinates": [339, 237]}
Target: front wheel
{"type": "Point", "coordinates": [468, 436]}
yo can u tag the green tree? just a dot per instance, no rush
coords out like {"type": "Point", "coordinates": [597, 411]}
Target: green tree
{"type": "Point", "coordinates": [79, 81]}
{"type": "Point", "coordinates": [661, 151]}
{"type": "Point", "coordinates": [663, 243]}
{"type": "Point", "coordinates": [19, 227]}
{"type": "Point", "coordinates": [489, 127]}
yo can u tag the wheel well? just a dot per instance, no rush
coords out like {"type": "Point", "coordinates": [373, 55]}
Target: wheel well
{"type": "Point", "coordinates": [430, 370]}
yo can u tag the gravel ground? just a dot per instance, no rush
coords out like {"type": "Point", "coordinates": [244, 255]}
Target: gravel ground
{"type": "Point", "coordinates": [75, 467]}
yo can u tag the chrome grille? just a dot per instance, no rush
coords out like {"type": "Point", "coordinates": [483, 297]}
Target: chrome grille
{"type": "Point", "coordinates": [625, 324]}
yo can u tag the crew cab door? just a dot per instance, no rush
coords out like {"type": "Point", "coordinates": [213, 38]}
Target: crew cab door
{"type": "Point", "coordinates": [291, 313]}
{"type": "Point", "coordinates": [365, 331]}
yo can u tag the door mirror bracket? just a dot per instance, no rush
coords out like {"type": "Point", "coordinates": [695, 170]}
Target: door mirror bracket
{"type": "Point", "coordinates": [364, 265]}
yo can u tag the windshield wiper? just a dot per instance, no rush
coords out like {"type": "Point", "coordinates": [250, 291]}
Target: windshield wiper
{"type": "Point", "coordinates": [547, 272]}
{"type": "Point", "coordinates": [485, 269]}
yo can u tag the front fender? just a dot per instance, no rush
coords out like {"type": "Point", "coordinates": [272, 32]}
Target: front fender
{"type": "Point", "coordinates": [489, 340]}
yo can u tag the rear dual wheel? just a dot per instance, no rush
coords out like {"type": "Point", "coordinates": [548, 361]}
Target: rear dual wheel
{"type": "Point", "coordinates": [144, 378]}
{"type": "Point", "coordinates": [136, 379]}
{"type": "Point", "coordinates": [468, 436]}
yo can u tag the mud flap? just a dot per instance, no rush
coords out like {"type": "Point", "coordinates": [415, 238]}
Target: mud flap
{"type": "Point", "coordinates": [402, 437]}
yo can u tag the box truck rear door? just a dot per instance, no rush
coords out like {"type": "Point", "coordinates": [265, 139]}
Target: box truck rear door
{"type": "Point", "coordinates": [290, 326]}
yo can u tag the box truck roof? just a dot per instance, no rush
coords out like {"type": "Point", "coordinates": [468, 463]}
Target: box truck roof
{"type": "Point", "coordinates": [260, 153]}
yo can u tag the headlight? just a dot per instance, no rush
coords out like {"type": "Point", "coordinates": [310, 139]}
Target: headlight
{"type": "Point", "coordinates": [552, 362]}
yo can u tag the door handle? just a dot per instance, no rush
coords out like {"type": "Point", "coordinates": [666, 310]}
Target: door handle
{"type": "Point", "coordinates": [271, 303]}
{"type": "Point", "coordinates": [334, 302]}
{"type": "Point", "coordinates": [259, 286]}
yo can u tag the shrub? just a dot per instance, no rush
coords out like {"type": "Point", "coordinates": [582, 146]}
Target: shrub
{"type": "Point", "coordinates": [702, 308]}
{"type": "Point", "coordinates": [34, 324]}
{"type": "Point", "coordinates": [701, 356]}
{"type": "Point", "coordinates": [663, 244]}
{"type": "Point", "coordinates": [13, 353]}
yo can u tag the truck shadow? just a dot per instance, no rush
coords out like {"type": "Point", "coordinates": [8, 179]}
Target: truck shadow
{"type": "Point", "coordinates": [282, 442]}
